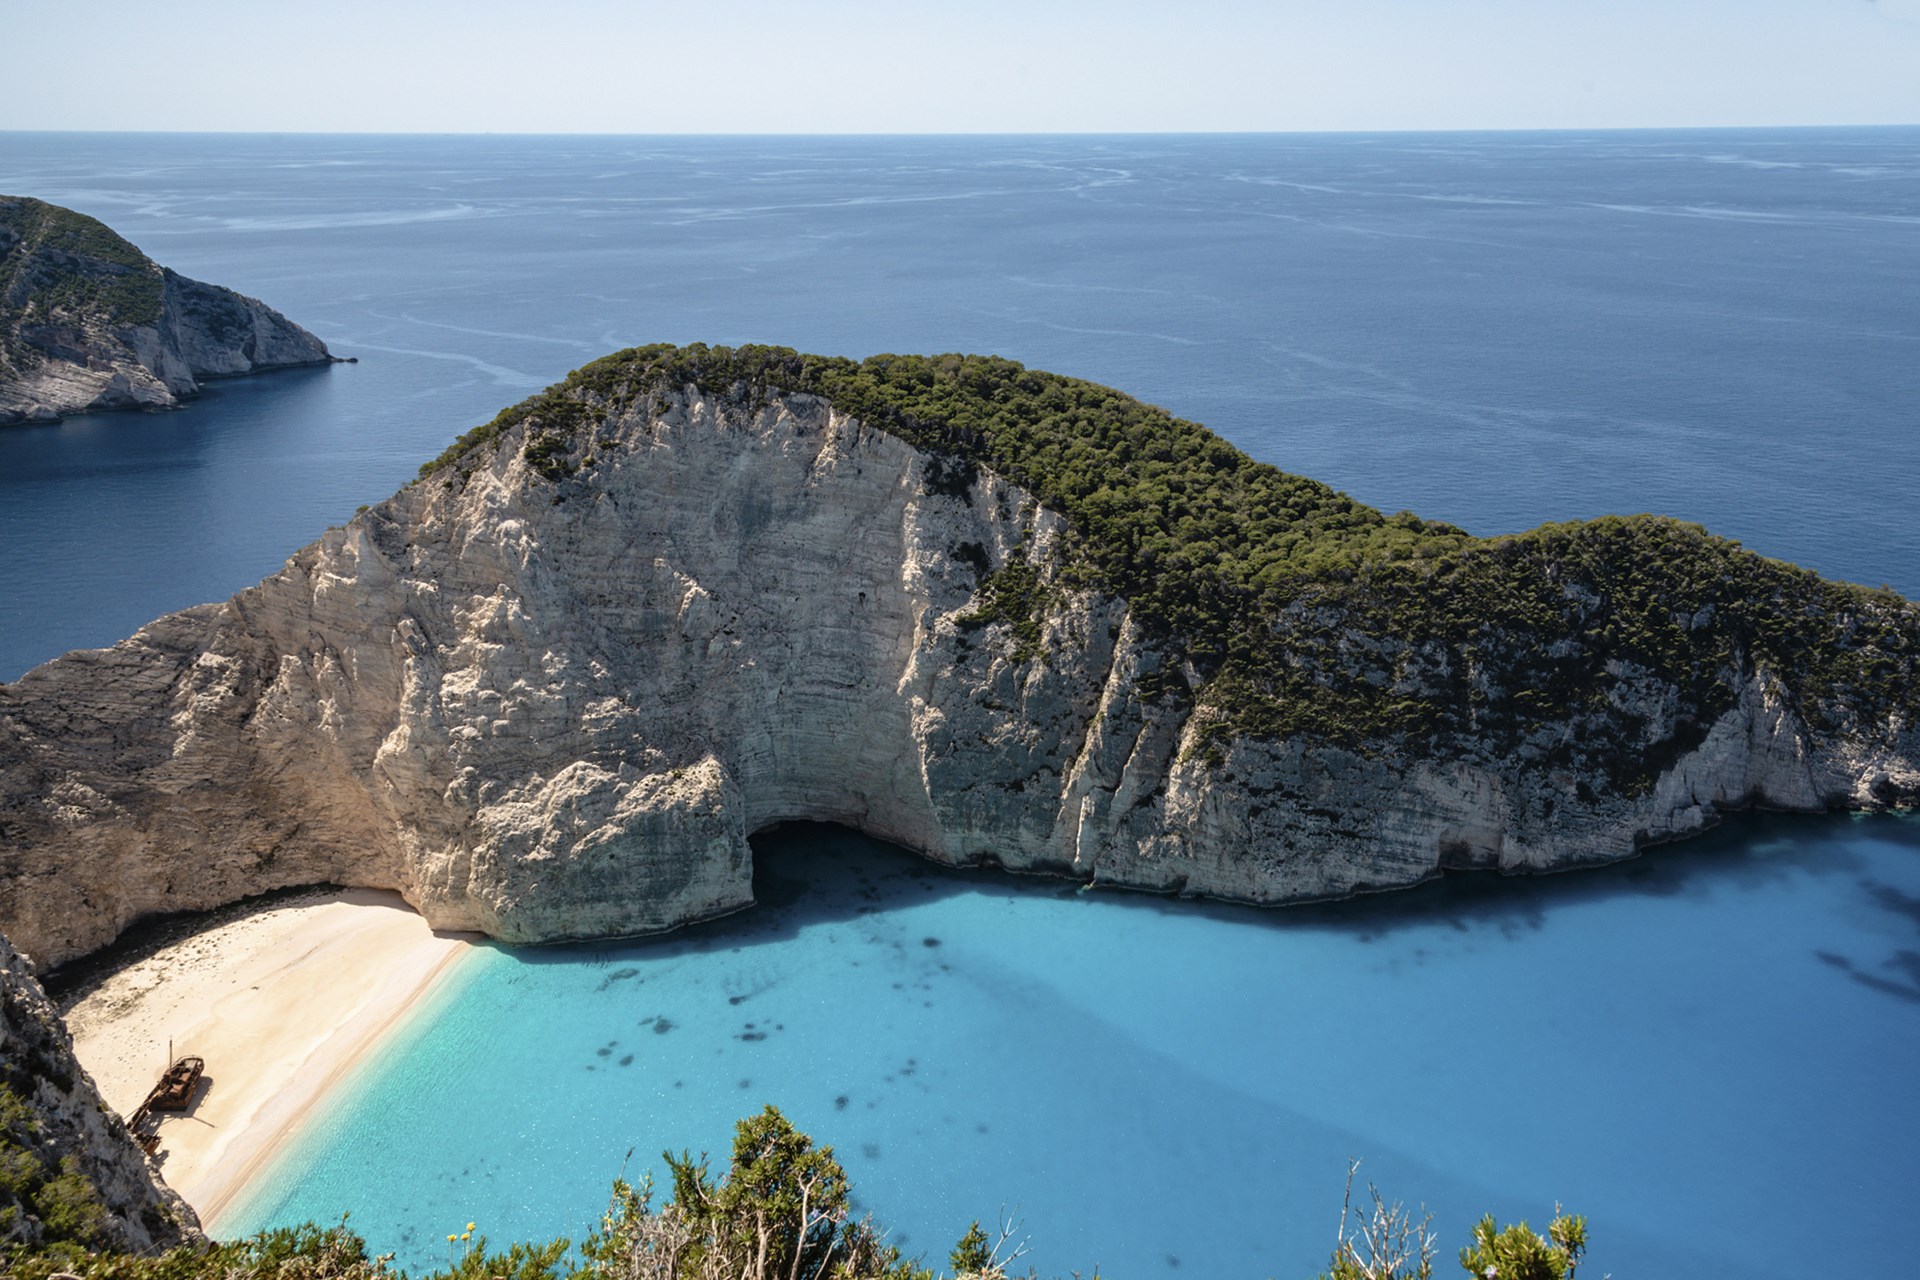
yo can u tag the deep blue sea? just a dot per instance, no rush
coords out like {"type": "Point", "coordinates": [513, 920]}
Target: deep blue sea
{"type": "Point", "coordinates": [1709, 1052]}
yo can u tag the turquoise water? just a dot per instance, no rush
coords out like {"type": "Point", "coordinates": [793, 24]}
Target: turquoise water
{"type": "Point", "coordinates": [1710, 1051]}
{"type": "Point", "coordinates": [1707, 1051]}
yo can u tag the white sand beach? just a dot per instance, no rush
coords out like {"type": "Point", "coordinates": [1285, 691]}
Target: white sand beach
{"type": "Point", "coordinates": [281, 1004]}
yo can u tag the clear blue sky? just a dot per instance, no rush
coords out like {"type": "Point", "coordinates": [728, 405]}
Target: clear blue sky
{"type": "Point", "coordinates": [838, 66]}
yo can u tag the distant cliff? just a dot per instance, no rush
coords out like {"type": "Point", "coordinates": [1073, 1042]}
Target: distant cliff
{"type": "Point", "coordinates": [993, 615]}
{"type": "Point", "coordinates": [88, 322]}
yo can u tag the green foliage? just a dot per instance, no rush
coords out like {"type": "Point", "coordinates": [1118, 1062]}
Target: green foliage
{"type": "Point", "coordinates": [777, 1177]}
{"type": "Point", "coordinates": [67, 267]}
{"type": "Point", "coordinates": [1382, 1241]}
{"type": "Point", "coordinates": [70, 1206]}
{"type": "Point", "coordinates": [52, 1202]}
{"type": "Point", "coordinates": [781, 1211]}
{"type": "Point", "coordinates": [560, 411]}
{"type": "Point", "coordinates": [305, 1252]}
{"type": "Point", "coordinates": [1016, 596]}
{"type": "Point", "coordinates": [973, 1252]}
{"type": "Point", "coordinates": [1516, 1253]}
{"type": "Point", "coordinates": [1302, 611]}
{"type": "Point", "coordinates": [547, 453]}
{"type": "Point", "coordinates": [521, 1261]}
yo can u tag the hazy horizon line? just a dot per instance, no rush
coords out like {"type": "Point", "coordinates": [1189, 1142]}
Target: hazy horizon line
{"type": "Point", "coordinates": [962, 133]}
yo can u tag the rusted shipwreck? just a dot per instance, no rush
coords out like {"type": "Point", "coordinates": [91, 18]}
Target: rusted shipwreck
{"type": "Point", "coordinates": [174, 1093]}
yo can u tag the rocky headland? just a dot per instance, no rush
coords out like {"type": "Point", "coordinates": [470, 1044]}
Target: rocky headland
{"type": "Point", "coordinates": [88, 322]}
{"type": "Point", "coordinates": [996, 616]}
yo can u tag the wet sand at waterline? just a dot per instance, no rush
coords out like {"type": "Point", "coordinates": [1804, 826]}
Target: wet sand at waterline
{"type": "Point", "coordinates": [281, 1003]}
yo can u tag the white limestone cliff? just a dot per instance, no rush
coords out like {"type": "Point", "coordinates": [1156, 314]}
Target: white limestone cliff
{"type": "Point", "coordinates": [551, 710]}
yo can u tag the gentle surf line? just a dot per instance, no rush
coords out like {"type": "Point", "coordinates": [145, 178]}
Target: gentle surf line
{"type": "Point", "coordinates": [283, 1005]}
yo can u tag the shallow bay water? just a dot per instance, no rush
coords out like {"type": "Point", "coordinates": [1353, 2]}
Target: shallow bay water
{"type": "Point", "coordinates": [1707, 1051]}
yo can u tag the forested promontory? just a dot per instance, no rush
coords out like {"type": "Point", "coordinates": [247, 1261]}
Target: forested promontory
{"type": "Point", "coordinates": [88, 322]}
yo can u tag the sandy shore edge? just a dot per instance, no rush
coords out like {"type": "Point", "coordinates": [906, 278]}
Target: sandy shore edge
{"type": "Point", "coordinates": [283, 1004]}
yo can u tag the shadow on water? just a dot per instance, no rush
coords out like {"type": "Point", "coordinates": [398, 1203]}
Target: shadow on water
{"type": "Point", "coordinates": [815, 874]}
{"type": "Point", "coordinates": [814, 878]}
{"type": "Point", "coordinates": [809, 874]}
{"type": "Point", "coordinates": [90, 445]}
{"type": "Point", "coordinates": [1902, 961]}
{"type": "Point", "coordinates": [1747, 852]}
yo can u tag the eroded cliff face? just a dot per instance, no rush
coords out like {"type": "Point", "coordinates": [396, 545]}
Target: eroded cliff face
{"type": "Point", "coordinates": [72, 1171]}
{"type": "Point", "coordinates": [88, 322]}
{"type": "Point", "coordinates": [553, 702]}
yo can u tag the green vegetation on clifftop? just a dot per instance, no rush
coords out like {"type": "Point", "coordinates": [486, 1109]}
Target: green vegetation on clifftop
{"type": "Point", "coordinates": [61, 267]}
{"type": "Point", "coordinates": [1606, 646]}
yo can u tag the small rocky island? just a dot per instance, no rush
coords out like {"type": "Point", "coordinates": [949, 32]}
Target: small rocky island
{"type": "Point", "coordinates": [993, 615]}
{"type": "Point", "coordinates": [88, 322]}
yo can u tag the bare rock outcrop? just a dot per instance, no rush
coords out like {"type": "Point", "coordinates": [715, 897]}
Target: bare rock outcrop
{"type": "Point", "coordinates": [550, 690]}
{"type": "Point", "coordinates": [88, 322]}
{"type": "Point", "coordinates": [68, 1168]}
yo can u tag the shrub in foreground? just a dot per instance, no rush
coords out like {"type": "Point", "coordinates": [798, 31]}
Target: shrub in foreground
{"type": "Point", "coordinates": [782, 1211]}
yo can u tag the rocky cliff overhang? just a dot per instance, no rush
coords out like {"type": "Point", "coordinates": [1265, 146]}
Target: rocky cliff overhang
{"type": "Point", "coordinates": [549, 690]}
